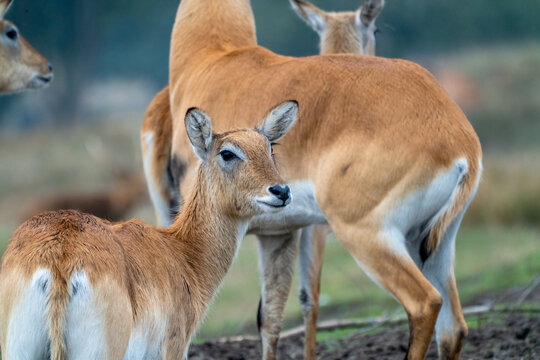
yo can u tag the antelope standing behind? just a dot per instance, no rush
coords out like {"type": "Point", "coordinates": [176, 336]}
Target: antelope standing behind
{"type": "Point", "coordinates": [21, 66]}
{"type": "Point", "coordinates": [112, 203]}
{"type": "Point", "coordinates": [339, 32]}
{"type": "Point", "coordinates": [342, 32]}
{"type": "Point", "coordinates": [380, 152]}
{"type": "Point", "coordinates": [73, 286]}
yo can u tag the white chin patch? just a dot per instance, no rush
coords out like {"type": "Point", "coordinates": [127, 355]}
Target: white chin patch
{"type": "Point", "coordinates": [271, 203]}
{"type": "Point", "coordinates": [40, 81]}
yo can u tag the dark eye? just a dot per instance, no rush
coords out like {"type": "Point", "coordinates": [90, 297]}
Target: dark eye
{"type": "Point", "coordinates": [227, 155]}
{"type": "Point", "coordinates": [12, 34]}
{"type": "Point", "coordinates": [272, 144]}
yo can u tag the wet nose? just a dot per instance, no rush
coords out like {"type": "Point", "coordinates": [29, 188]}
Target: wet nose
{"type": "Point", "coordinates": [283, 193]}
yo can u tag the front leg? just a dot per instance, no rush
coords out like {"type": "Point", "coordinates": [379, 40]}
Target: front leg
{"type": "Point", "coordinates": [312, 243]}
{"type": "Point", "coordinates": [276, 258]}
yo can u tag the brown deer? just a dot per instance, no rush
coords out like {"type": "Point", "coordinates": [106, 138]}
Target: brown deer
{"type": "Point", "coordinates": [84, 288]}
{"type": "Point", "coordinates": [342, 32]}
{"type": "Point", "coordinates": [339, 32]}
{"type": "Point", "coordinates": [380, 152]}
{"type": "Point", "coordinates": [112, 203]}
{"type": "Point", "coordinates": [21, 66]}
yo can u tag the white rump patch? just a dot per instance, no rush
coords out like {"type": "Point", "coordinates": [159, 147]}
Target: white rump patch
{"type": "Point", "coordinates": [27, 334]}
{"type": "Point", "coordinates": [84, 330]}
{"type": "Point", "coordinates": [416, 214]}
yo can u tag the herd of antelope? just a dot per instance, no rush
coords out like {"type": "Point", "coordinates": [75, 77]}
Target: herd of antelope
{"type": "Point", "coordinates": [370, 148]}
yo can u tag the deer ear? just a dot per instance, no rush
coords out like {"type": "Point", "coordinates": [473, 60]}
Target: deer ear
{"type": "Point", "coordinates": [312, 15]}
{"type": "Point", "coordinates": [4, 6]}
{"type": "Point", "coordinates": [279, 120]}
{"type": "Point", "coordinates": [369, 11]}
{"type": "Point", "coordinates": [199, 131]}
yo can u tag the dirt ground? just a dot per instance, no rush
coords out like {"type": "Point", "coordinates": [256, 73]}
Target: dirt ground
{"type": "Point", "coordinates": [509, 336]}
{"type": "Point", "coordinates": [494, 335]}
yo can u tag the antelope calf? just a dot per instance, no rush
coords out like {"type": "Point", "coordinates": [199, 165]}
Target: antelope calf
{"type": "Point", "coordinates": [21, 66]}
{"type": "Point", "coordinates": [73, 286]}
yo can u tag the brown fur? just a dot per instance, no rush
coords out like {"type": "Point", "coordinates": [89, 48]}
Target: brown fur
{"type": "Point", "coordinates": [21, 66]}
{"type": "Point", "coordinates": [342, 32]}
{"type": "Point", "coordinates": [113, 203]}
{"type": "Point", "coordinates": [120, 259]}
{"type": "Point", "coordinates": [387, 122]}
{"type": "Point", "coordinates": [389, 119]}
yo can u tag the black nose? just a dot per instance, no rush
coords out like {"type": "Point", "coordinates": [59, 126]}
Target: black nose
{"type": "Point", "coordinates": [49, 65]}
{"type": "Point", "coordinates": [281, 192]}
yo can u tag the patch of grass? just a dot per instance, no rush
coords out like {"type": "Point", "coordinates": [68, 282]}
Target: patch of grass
{"type": "Point", "coordinates": [495, 258]}
{"type": "Point", "coordinates": [487, 258]}
{"type": "Point", "coordinates": [335, 334]}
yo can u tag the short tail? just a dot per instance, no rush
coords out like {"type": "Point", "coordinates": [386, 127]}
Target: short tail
{"type": "Point", "coordinates": [460, 199]}
{"type": "Point", "coordinates": [56, 309]}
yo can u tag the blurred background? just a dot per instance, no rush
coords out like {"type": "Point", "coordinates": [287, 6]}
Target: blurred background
{"type": "Point", "coordinates": [80, 136]}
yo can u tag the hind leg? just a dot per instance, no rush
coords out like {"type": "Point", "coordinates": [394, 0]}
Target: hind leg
{"type": "Point", "coordinates": [312, 243]}
{"type": "Point", "coordinates": [451, 328]}
{"type": "Point", "coordinates": [156, 137]}
{"type": "Point", "coordinates": [383, 256]}
{"type": "Point", "coordinates": [277, 255]}
{"type": "Point", "coordinates": [98, 320]}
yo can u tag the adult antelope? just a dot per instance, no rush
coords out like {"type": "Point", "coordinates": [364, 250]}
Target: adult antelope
{"type": "Point", "coordinates": [73, 286]}
{"type": "Point", "coordinates": [112, 203]}
{"type": "Point", "coordinates": [21, 66]}
{"type": "Point", "coordinates": [342, 32]}
{"type": "Point", "coordinates": [339, 32]}
{"type": "Point", "coordinates": [380, 152]}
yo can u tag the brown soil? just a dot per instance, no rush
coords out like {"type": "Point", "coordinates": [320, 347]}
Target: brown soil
{"type": "Point", "coordinates": [499, 336]}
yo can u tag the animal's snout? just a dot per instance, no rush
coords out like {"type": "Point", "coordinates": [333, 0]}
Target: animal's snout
{"type": "Point", "coordinates": [283, 193]}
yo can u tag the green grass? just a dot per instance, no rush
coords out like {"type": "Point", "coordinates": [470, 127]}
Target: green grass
{"type": "Point", "coordinates": [487, 259]}
{"type": "Point", "coordinates": [324, 336]}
